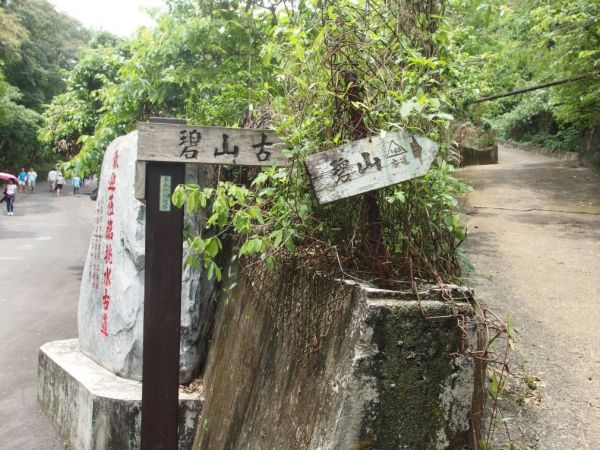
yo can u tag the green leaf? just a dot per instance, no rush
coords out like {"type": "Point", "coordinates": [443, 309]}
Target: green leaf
{"type": "Point", "coordinates": [212, 248]}
{"type": "Point", "coordinates": [277, 236]}
{"type": "Point", "coordinates": [300, 52]}
{"type": "Point", "coordinates": [193, 201]}
{"type": "Point", "coordinates": [289, 244]}
{"type": "Point", "coordinates": [211, 269]}
{"type": "Point", "coordinates": [178, 196]}
{"type": "Point", "coordinates": [241, 222]}
{"type": "Point", "coordinates": [217, 271]}
{"type": "Point", "coordinates": [255, 213]}
{"type": "Point", "coordinates": [199, 244]}
{"type": "Point", "coordinates": [193, 261]}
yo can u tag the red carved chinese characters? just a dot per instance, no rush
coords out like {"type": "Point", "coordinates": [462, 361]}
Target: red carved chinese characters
{"type": "Point", "coordinates": [108, 254]}
{"type": "Point", "coordinates": [108, 235]}
{"type": "Point", "coordinates": [108, 250]}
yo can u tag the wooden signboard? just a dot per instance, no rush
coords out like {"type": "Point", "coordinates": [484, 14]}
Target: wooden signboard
{"type": "Point", "coordinates": [167, 142]}
{"type": "Point", "coordinates": [369, 164]}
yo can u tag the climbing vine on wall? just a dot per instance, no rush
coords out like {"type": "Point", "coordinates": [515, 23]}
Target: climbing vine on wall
{"type": "Point", "coordinates": [346, 70]}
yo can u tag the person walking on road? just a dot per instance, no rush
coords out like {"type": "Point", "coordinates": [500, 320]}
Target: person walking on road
{"type": "Point", "coordinates": [60, 182]}
{"type": "Point", "coordinates": [22, 179]}
{"type": "Point", "coordinates": [31, 177]}
{"type": "Point", "coordinates": [76, 182]}
{"type": "Point", "coordinates": [10, 191]}
{"type": "Point", "coordinates": [52, 179]}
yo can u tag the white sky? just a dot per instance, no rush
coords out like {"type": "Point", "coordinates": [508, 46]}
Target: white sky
{"type": "Point", "coordinates": [120, 17]}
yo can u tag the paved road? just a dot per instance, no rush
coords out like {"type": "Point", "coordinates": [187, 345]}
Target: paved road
{"type": "Point", "coordinates": [42, 253]}
{"type": "Point", "coordinates": [534, 227]}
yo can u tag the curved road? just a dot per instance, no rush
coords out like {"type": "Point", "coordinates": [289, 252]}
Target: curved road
{"type": "Point", "coordinates": [534, 238]}
{"type": "Point", "coordinates": [42, 253]}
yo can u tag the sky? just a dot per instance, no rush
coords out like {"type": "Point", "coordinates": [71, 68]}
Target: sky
{"type": "Point", "coordinates": [120, 17]}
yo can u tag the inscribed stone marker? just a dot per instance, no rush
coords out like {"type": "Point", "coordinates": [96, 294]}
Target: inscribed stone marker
{"type": "Point", "coordinates": [118, 247]}
{"type": "Point", "coordinates": [369, 164]}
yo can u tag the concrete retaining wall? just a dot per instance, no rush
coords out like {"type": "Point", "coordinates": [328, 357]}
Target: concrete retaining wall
{"type": "Point", "coordinates": [471, 156]}
{"type": "Point", "coordinates": [475, 145]}
{"type": "Point", "coordinates": [299, 361]}
{"type": "Point", "coordinates": [590, 149]}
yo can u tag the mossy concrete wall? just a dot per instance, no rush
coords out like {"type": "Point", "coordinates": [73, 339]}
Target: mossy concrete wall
{"type": "Point", "coordinates": [475, 145]}
{"type": "Point", "coordinates": [590, 148]}
{"type": "Point", "coordinates": [299, 361]}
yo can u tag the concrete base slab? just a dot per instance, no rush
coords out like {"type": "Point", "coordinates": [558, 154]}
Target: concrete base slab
{"type": "Point", "coordinates": [94, 409]}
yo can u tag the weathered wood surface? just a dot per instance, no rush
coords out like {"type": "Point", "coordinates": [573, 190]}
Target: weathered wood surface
{"type": "Point", "coordinates": [369, 164]}
{"type": "Point", "coordinates": [209, 145]}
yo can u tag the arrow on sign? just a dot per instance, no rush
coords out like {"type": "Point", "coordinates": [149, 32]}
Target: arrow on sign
{"type": "Point", "coordinates": [369, 164]}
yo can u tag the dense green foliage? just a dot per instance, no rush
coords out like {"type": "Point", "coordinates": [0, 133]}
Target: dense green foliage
{"type": "Point", "coordinates": [197, 63]}
{"type": "Point", "coordinates": [288, 66]}
{"type": "Point", "coordinates": [73, 115]}
{"type": "Point", "coordinates": [36, 45]}
{"type": "Point", "coordinates": [510, 44]}
{"type": "Point", "coordinates": [325, 73]}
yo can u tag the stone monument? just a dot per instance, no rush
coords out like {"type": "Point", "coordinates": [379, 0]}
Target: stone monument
{"type": "Point", "coordinates": [90, 387]}
{"type": "Point", "coordinates": [111, 302]}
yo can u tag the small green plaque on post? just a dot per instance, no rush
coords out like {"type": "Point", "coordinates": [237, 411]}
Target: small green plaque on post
{"type": "Point", "coordinates": [165, 194]}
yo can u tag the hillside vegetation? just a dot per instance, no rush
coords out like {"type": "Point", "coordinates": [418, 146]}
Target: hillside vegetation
{"type": "Point", "coordinates": [322, 74]}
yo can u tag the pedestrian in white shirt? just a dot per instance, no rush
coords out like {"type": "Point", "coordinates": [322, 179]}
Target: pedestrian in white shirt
{"type": "Point", "coordinates": [52, 179]}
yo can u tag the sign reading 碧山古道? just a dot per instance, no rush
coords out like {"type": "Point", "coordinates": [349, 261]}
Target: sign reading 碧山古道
{"type": "Point", "coordinates": [369, 164]}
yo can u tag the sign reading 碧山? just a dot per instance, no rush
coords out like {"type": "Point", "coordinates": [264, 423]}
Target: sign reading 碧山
{"type": "Point", "coordinates": [210, 145]}
{"type": "Point", "coordinates": [369, 164]}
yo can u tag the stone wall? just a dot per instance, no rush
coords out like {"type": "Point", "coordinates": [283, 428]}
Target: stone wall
{"type": "Point", "coordinates": [475, 145]}
{"type": "Point", "coordinates": [305, 362]}
{"type": "Point", "coordinates": [590, 149]}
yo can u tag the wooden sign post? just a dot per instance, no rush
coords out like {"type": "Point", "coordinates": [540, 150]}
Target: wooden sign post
{"type": "Point", "coordinates": [162, 307]}
{"type": "Point", "coordinates": [163, 151]}
{"type": "Point", "coordinates": [369, 164]}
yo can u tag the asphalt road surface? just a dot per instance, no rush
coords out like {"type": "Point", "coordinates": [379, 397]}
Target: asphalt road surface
{"type": "Point", "coordinates": [534, 237]}
{"type": "Point", "coordinates": [42, 253]}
